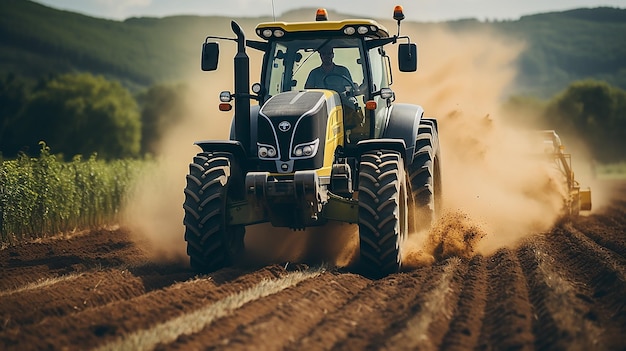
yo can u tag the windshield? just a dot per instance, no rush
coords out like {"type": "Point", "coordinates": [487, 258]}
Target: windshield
{"type": "Point", "coordinates": [293, 63]}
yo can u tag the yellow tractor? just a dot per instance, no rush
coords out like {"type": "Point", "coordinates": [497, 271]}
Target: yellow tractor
{"type": "Point", "coordinates": [324, 142]}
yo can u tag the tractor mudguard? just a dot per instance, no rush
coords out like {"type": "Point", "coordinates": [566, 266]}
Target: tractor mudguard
{"type": "Point", "coordinates": [397, 144]}
{"type": "Point", "coordinates": [403, 123]}
{"type": "Point", "coordinates": [231, 146]}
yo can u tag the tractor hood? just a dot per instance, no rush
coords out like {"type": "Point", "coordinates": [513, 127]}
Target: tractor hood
{"type": "Point", "coordinates": [291, 133]}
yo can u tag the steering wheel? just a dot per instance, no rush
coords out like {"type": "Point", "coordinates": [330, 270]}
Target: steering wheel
{"type": "Point", "coordinates": [347, 92]}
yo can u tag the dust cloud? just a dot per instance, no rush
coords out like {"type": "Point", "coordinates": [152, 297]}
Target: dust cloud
{"type": "Point", "coordinates": [494, 193]}
{"type": "Point", "coordinates": [155, 213]}
{"type": "Point", "coordinates": [496, 187]}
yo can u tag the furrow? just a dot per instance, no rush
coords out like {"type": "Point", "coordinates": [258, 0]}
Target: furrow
{"type": "Point", "coordinates": [464, 329]}
{"type": "Point", "coordinates": [30, 262]}
{"type": "Point", "coordinates": [606, 229]}
{"type": "Point", "coordinates": [279, 319]}
{"type": "Point", "coordinates": [105, 323]}
{"type": "Point", "coordinates": [197, 320]}
{"type": "Point", "coordinates": [437, 307]}
{"type": "Point", "coordinates": [508, 312]}
{"type": "Point", "coordinates": [67, 296]}
{"type": "Point", "coordinates": [561, 316]}
{"type": "Point", "coordinates": [369, 315]}
{"type": "Point", "coordinates": [613, 262]}
{"type": "Point", "coordinates": [599, 277]}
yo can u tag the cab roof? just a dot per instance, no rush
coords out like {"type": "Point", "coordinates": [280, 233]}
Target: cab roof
{"type": "Point", "coordinates": [357, 28]}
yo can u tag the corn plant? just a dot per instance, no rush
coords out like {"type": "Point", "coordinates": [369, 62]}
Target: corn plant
{"type": "Point", "coordinates": [44, 196]}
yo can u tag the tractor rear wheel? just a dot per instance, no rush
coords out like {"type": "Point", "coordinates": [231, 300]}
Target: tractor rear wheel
{"type": "Point", "coordinates": [213, 180]}
{"type": "Point", "coordinates": [425, 178]}
{"type": "Point", "coordinates": [383, 220]}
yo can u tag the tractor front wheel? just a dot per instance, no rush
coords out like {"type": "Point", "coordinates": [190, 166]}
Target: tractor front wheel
{"type": "Point", "coordinates": [212, 181]}
{"type": "Point", "coordinates": [383, 218]}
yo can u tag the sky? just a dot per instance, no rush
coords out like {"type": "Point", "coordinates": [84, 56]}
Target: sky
{"type": "Point", "coordinates": [420, 11]}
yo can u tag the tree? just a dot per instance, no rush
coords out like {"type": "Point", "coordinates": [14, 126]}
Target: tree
{"type": "Point", "coordinates": [595, 111]}
{"type": "Point", "coordinates": [82, 114]}
{"type": "Point", "coordinates": [14, 93]}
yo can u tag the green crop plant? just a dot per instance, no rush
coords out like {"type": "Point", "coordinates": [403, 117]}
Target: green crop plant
{"type": "Point", "coordinates": [45, 196]}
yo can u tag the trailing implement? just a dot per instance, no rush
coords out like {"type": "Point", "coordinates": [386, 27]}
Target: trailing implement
{"type": "Point", "coordinates": [326, 142]}
{"type": "Point", "coordinates": [576, 199]}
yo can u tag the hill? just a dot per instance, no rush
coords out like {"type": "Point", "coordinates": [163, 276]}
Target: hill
{"type": "Point", "coordinates": [36, 41]}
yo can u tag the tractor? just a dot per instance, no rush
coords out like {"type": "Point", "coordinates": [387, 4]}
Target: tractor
{"type": "Point", "coordinates": [315, 147]}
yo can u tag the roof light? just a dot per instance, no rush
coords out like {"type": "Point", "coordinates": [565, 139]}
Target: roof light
{"type": "Point", "coordinates": [321, 15]}
{"type": "Point", "coordinates": [349, 31]}
{"type": "Point", "coordinates": [363, 30]}
{"type": "Point", "coordinates": [267, 33]}
{"type": "Point", "coordinates": [278, 33]}
{"type": "Point", "coordinates": [398, 13]}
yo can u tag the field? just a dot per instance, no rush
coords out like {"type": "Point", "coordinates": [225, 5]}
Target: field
{"type": "Point", "coordinates": [562, 289]}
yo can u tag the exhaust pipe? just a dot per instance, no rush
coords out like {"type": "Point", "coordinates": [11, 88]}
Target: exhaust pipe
{"type": "Point", "coordinates": [242, 92]}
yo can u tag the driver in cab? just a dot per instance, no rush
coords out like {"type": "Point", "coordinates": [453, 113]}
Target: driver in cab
{"type": "Point", "coordinates": [328, 74]}
{"type": "Point", "coordinates": [338, 78]}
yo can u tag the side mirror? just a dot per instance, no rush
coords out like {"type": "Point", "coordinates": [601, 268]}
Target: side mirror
{"type": "Point", "coordinates": [210, 56]}
{"type": "Point", "coordinates": [407, 57]}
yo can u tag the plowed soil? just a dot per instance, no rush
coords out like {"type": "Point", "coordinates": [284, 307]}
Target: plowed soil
{"type": "Point", "coordinates": [560, 290]}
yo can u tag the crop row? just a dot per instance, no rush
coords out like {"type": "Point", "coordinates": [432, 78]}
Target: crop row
{"type": "Point", "coordinates": [44, 196]}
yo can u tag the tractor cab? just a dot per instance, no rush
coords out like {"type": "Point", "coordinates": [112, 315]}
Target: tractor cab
{"type": "Point", "coordinates": [296, 58]}
{"type": "Point", "coordinates": [346, 57]}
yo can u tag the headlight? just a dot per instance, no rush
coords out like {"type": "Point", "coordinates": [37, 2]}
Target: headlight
{"type": "Point", "coordinates": [266, 151]}
{"type": "Point", "coordinates": [306, 150]}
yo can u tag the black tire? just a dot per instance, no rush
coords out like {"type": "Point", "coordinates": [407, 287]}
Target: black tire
{"type": "Point", "coordinates": [383, 220]}
{"type": "Point", "coordinates": [425, 178]}
{"type": "Point", "coordinates": [213, 178]}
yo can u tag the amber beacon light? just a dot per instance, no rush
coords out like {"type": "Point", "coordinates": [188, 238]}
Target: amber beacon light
{"type": "Point", "coordinates": [321, 15]}
{"type": "Point", "coordinates": [398, 13]}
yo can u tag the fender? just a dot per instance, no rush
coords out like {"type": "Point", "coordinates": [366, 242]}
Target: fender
{"type": "Point", "coordinates": [403, 123]}
{"type": "Point", "coordinates": [383, 144]}
{"type": "Point", "coordinates": [231, 146]}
